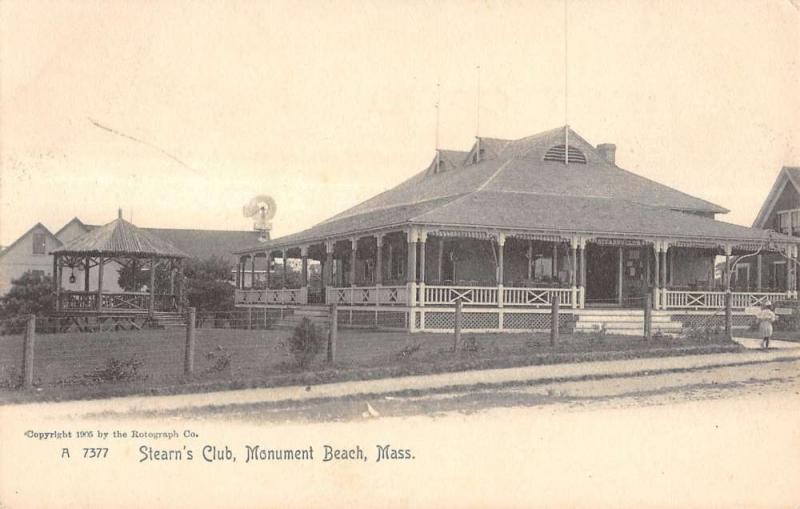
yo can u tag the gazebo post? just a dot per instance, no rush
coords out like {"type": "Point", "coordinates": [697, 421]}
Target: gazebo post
{"type": "Point", "coordinates": [99, 302]}
{"type": "Point", "coordinates": [86, 268]}
{"type": "Point", "coordinates": [57, 281]}
{"type": "Point", "coordinates": [152, 302]}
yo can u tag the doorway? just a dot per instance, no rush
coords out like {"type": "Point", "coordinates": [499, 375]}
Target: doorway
{"type": "Point", "coordinates": [602, 275]}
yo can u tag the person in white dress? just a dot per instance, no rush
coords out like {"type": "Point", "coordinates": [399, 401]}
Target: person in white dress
{"type": "Point", "coordinates": [765, 318]}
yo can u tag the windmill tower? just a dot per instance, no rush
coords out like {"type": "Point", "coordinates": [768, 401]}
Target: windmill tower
{"type": "Point", "coordinates": [262, 209]}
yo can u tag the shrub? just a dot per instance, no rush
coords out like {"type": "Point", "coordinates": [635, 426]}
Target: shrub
{"type": "Point", "coordinates": [410, 349]}
{"type": "Point", "coordinates": [306, 342]}
{"type": "Point", "coordinates": [470, 344]}
{"type": "Point", "coordinates": [10, 378]}
{"type": "Point", "coordinates": [219, 359]}
{"type": "Point", "coordinates": [116, 370]}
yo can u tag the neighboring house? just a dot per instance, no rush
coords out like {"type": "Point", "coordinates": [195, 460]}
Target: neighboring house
{"type": "Point", "coordinates": [32, 252]}
{"type": "Point", "coordinates": [508, 227]}
{"type": "Point", "coordinates": [780, 212]}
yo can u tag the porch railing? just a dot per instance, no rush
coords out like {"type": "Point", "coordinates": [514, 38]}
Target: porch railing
{"type": "Point", "coordinates": [367, 295]}
{"type": "Point", "coordinates": [469, 295]}
{"type": "Point", "coordinates": [286, 296]}
{"type": "Point", "coordinates": [538, 297]}
{"type": "Point", "coordinates": [695, 299]}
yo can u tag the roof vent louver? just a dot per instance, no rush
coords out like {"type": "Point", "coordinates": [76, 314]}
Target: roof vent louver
{"type": "Point", "coordinates": [556, 153]}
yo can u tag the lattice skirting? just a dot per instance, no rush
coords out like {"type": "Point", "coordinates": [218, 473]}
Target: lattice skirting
{"type": "Point", "coordinates": [740, 321]}
{"type": "Point", "coordinates": [381, 319]}
{"type": "Point", "coordinates": [537, 321]}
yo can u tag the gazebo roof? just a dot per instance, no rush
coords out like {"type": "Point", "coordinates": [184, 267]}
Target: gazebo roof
{"type": "Point", "coordinates": [120, 238]}
{"type": "Point", "coordinates": [523, 184]}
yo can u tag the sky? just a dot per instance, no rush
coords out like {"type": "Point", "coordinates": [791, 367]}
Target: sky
{"type": "Point", "coordinates": [324, 104]}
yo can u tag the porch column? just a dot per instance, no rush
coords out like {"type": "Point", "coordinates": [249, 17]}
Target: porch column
{"type": "Point", "coordinates": [789, 263]}
{"type": "Point", "coordinates": [657, 275]}
{"type": "Point", "coordinates": [423, 237]}
{"type": "Point", "coordinates": [379, 259]}
{"type": "Point", "coordinates": [172, 277]}
{"type": "Point", "coordinates": [529, 257]}
{"type": "Point", "coordinates": [239, 273]}
{"type": "Point", "coordinates": [554, 267]}
{"type": "Point", "coordinates": [268, 278]}
{"type": "Point", "coordinates": [327, 269]}
{"type": "Point", "coordinates": [439, 261]}
{"type": "Point", "coordinates": [665, 247]}
{"type": "Point", "coordinates": [285, 270]}
{"type": "Point", "coordinates": [727, 276]}
{"type": "Point", "coordinates": [86, 267]}
{"type": "Point", "coordinates": [499, 277]}
{"type": "Point", "coordinates": [353, 253]}
{"type": "Point", "coordinates": [619, 276]}
{"type": "Point", "coordinates": [304, 269]}
{"type": "Point", "coordinates": [573, 274]}
{"type": "Point", "coordinates": [582, 286]}
{"type": "Point", "coordinates": [151, 305]}
{"type": "Point", "coordinates": [252, 271]}
{"type": "Point", "coordinates": [390, 260]}
{"type": "Point", "coordinates": [758, 272]}
{"type": "Point", "coordinates": [411, 270]}
{"type": "Point", "coordinates": [99, 282]}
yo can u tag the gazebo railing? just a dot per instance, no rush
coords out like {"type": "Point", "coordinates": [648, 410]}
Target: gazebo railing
{"type": "Point", "coordinates": [117, 301]}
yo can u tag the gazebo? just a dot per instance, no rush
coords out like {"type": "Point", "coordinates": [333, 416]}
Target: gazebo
{"type": "Point", "coordinates": [102, 253]}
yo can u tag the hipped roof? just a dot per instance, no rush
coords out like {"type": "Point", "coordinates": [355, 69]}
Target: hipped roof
{"type": "Point", "coordinates": [120, 238]}
{"type": "Point", "coordinates": [511, 186]}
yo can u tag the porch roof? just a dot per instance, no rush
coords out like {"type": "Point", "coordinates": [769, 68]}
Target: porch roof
{"type": "Point", "coordinates": [513, 187]}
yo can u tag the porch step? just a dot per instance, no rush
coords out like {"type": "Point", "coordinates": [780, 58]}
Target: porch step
{"type": "Point", "coordinates": [625, 322]}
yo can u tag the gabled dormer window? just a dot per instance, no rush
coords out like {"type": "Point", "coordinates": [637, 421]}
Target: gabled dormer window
{"type": "Point", "coordinates": [556, 154]}
{"type": "Point", "coordinates": [478, 155]}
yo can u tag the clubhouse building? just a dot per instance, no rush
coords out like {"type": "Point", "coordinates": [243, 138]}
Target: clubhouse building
{"type": "Point", "coordinates": [506, 228]}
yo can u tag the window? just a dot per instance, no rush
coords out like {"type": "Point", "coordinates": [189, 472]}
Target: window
{"type": "Point", "coordinates": [39, 244]}
{"type": "Point", "coordinates": [556, 153]}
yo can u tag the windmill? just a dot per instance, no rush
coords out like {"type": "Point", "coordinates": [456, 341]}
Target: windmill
{"type": "Point", "coordinates": [262, 209]}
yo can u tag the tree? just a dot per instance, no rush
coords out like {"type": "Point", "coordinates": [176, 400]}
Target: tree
{"type": "Point", "coordinates": [128, 283]}
{"type": "Point", "coordinates": [208, 284]}
{"type": "Point", "coordinates": [29, 294]}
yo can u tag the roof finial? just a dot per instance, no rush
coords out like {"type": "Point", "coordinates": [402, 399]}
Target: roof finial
{"type": "Point", "coordinates": [478, 104]}
{"type": "Point", "coordinates": [566, 86]}
{"type": "Point", "coordinates": [119, 213]}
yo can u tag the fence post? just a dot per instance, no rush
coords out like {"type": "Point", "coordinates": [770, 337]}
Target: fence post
{"type": "Point", "coordinates": [333, 333]}
{"type": "Point", "coordinates": [554, 325]}
{"type": "Point", "coordinates": [457, 325]}
{"type": "Point", "coordinates": [27, 353]}
{"type": "Point", "coordinates": [728, 315]}
{"type": "Point", "coordinates": [648, 316]}
{"type": "Point", "coordinates": [188, 359]}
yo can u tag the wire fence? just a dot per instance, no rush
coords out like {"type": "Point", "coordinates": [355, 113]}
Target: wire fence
{"type": "Point", "coordinates": [231, 345]}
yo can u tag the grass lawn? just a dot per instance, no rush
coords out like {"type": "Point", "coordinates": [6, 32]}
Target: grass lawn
{"type": "Point", "coordinates": [75, 365]}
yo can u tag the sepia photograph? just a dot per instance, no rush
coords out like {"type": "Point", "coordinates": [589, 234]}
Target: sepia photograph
{"type": "Point", "coordinates": [434, 254]}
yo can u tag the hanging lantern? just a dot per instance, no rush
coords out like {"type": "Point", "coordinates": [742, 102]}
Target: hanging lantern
{"type": "Point", "coordinates": [72, 276]}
